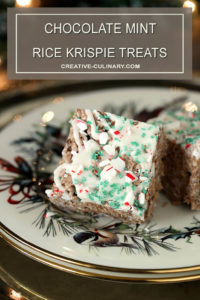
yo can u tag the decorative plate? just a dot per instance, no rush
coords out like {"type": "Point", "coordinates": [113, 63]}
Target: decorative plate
{"type": "Point", "coordinates": [165, 249]}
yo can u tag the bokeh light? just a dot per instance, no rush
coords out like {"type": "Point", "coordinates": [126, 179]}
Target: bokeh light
{"type": "Point", "coordinates": [190, 4]}
{"type": "Point", "coordinates": [48, 116]}
{"type": "Point", "coordinates": [23, 3]}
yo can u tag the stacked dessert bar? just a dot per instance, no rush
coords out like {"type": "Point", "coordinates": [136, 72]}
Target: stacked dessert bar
{"type": "Point", "coordinates": [181, 179]}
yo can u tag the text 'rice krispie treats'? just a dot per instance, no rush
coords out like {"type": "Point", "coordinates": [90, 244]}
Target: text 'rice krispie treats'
{"type": "Point", "coordinates": [110, 165]}
{"type": "Point", "coordinates": [181, 179]}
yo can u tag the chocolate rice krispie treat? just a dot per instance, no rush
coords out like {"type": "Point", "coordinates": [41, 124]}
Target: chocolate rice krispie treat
{"type": "Point", "coordinates": [181, 179]}
{"type": "Point", "coordinates": [110, 165]}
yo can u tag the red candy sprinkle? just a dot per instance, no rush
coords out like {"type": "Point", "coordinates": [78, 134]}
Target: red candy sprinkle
{"type": "Point", "coordinates": [109, 169]}
{"type": "Point", "coordinates": [80, 172]}
{"type": "Point", "coordinates": [73, 171]}
{"type": "Point", "coordinates": [126, 203]}
{"type": "Point", "coordinates": [188, 146]}
{"type": "Point", "coordinates": [130, 176]}
{"type": "Point", "coordinates": [80, 121]}
{"type": "Point", "coordinates": [116, 132]}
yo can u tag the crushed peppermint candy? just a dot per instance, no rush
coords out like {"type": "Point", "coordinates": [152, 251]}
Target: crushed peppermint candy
{"type": "Point", "coordinates": [118, 164]}
{"type": "Point", "coordinates": [116, 132]}
{"type": "Point", "coordinates": [81, 124]}
{"type": "Point", "coordinates": [103, 163]}
{"type": "Point", "coordinates": [49, 214]}
{"type": "Point", "coordinates": [141, 198]}
{"type": "Point", "coordinates": [130, 177]}
{"type": "Point", "coordinates": [103, 138]}
{"type": "Point", "coordinates": [108, 173]}
{"type": "Point", "coordinates": [188, 146]}
{"type": "Point", "coordinates": [110, 150]}
{"type": "Point", "coordinates": [130, 198]}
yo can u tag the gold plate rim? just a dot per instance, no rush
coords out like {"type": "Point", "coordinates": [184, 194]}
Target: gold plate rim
{"type": "Point", "coordinates": [100, 276]}
{"type": "Point", "coordinates": [91, 265]}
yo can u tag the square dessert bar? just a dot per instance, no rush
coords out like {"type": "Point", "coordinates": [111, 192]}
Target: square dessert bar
{"type": "Point", "coordinates": [181, 179]}
{"type": "Point", "coordinates": [110, 165]}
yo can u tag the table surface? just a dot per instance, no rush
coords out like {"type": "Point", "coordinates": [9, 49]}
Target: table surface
{"type": "Point", "coordinates": [37, 281]}
{"type": "Point", "coordinates": [54, 284]}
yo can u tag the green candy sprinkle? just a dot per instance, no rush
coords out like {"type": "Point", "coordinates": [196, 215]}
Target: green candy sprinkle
{"type": "Point", "coordinates": [117, 139]}
{"type": "Point", "coordinates": [144, 191]}
{"type": "Point", "coordinates": [105, 183]}
{"type": "Point", "coordinates": [189, 141]}
{"type": "Point", "coordinates": [90, 196]}
{"type": "Point", "coordinates": [145, 174]}
{"type": "Point", "coordinates": [180, 118]}
{"type": "Point", "coordinates": [138, 152]}
{"type": "Point", "coordinates": [83, 179]}
{"type": "Point", "coordinates": [114, 204]}
{"type": "Point", "coordinates": [110, 194]}
{"type": "Point", "coordinates": [133, 187]}
{"type": "Point", "coordinates": [135, 143]}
